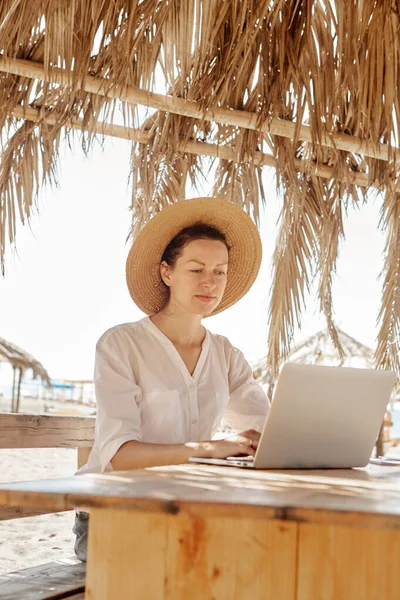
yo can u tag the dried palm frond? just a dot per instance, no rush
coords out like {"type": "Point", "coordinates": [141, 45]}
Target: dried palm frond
{"type": "Point", "coordinates": [387, 354]}
{"type": "Point", "coordinates": [330, 200]}
{"type": "Point", "coordinates": [28, 161]}
{"type": "Point", "coordinates": [240, 181]}
{"type": "Point", "coordinates": [295, 256]}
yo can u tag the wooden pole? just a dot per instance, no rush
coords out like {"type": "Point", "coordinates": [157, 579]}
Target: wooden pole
{"type": "Point", "coordinates": [13, 391]}
{"type": "Point", "coordinates": [191, 147]}
{"type": "Point", "coordinates": [18, 390]}
{"type": "Point", "coordinates": [118, 131]}
{"type": "Point", "coordinates": [190, 108]}
{"type": "Point", "coordinates": [380, 447]}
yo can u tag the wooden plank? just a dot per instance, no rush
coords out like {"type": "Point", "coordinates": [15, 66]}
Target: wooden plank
{"type": "Point", "coordinates": [45, 431]}
{"type": "Point", "coordinates": [230, 558]}
{"type": "Point", "coordinates": [46, 582]}
{"type": "Point", "coordinates": [225, 558]}
{"type": "Point", "coordinates": [128, 539]}
{"type": "Point", "coordinates": [83, 455]}
{"type": "Point", "coordinates": [358, 498]}
{"type": "Point", "coordinates": [338, 563]}
{"type": "Point", "coordinates": [20, 512]}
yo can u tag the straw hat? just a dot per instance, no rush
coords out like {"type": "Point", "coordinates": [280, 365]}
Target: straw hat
{"type": "Point", "coordinates": [143, 262]}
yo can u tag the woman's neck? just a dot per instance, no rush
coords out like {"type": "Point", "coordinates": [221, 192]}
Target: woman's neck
{"type": "Point", "coordinates": [183, 330]}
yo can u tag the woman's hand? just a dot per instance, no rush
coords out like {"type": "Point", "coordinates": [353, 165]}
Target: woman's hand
{"type": "Point", "coordinates": [140, 455]}
{"type": "Point", "coordinates": [244, 443]}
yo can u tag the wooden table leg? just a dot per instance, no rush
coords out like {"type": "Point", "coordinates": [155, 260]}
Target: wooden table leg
{"type": "Point", "coordinates": [158, 556]}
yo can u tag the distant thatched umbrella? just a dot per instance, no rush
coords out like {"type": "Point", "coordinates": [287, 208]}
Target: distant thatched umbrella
{"type": "Point", "coordinates": [20, 361]}
{"type": "Point", "coordinates": [320, 350]}
{"type": "Point", "coordinates": [309, 88]}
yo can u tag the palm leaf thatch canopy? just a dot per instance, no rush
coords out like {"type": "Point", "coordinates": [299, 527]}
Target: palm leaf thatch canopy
{"type": "Point", "coordinates": [307, 86]}
{"type": "Point", "coordinates": [19, 359]}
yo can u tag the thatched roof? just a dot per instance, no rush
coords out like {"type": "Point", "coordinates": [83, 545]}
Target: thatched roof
{"type": "Point", "coordinates": [308, 87]}
{"type": "Point", "coordinates": [19, 359]}
{"type": "Point", "coordinates": [319, 349]}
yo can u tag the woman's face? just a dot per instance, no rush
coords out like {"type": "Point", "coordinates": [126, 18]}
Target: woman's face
{"type": "Point", "coordinates": [198, 279]}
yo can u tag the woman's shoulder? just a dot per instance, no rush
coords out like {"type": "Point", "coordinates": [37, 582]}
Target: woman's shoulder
{"type": "Point", "coordinates": [225, 345]}
{"type": "Point", "coordinates": [222, 342]}
{"type": "Point", "coordinates": [121, 331]}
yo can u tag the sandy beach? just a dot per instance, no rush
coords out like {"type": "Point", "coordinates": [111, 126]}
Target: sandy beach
{"type": "Point", "coordinates": [36, 540]}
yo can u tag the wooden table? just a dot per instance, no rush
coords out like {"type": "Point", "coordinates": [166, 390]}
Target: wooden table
{"type": "Point", "coordinates": [197, 532]}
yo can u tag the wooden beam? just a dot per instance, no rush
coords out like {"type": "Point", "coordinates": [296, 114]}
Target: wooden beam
{"type": "Point", "coordinates": [190, 108]}
{"type": "Point", "coordinates": [44, 431]}
{"type": "Point", "coordinates": [191, 147]}
{"type": "Point", "coordinates": [20, 512]}
{"type": "Point", "coordinates": [118, 131]}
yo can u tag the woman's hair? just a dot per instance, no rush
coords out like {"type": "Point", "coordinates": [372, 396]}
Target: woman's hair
{"type": "Point", "coordinates": [198, 231]}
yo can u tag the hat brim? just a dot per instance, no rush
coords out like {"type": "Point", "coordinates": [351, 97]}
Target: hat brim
{"type": "Point", "coordinates": [143, 262]}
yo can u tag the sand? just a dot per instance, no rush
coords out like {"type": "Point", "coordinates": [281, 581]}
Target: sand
{"type": "Point", "coordinates": [36, 540]}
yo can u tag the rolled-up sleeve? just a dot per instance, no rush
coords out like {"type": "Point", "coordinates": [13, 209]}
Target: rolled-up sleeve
{"type": "Point", "coordinates": [118, 416]}
{"type": "Point", "coordinates": [248, 403]}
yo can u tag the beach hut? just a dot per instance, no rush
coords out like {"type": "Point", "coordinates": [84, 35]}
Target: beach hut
{"type": "Point", "coordinates": [21, 362]}
{"type": "Point", "coordinates": [308, 88]}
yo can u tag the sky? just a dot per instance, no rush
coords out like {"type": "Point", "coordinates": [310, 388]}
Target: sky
{"type": "Point", "coordinates": [66, 284]}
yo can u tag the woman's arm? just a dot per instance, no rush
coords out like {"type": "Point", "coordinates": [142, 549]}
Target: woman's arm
{"type": "Point", "coordinates": [248, 403]}
{"type": "Point", "coordinates": [118, 416]}
{"type": "Point", "coordinates": [139, 455]}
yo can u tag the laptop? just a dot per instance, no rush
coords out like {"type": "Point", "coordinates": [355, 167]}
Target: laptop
{"type": "Point", "coordinates": [320, 418]}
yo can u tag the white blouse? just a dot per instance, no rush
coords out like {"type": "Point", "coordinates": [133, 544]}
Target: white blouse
{"type": "Point", "coordinates": [145, 392]}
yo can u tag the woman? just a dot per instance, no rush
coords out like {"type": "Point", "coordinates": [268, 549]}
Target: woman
{"type": "Point", "coordinates": [164, 384]}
